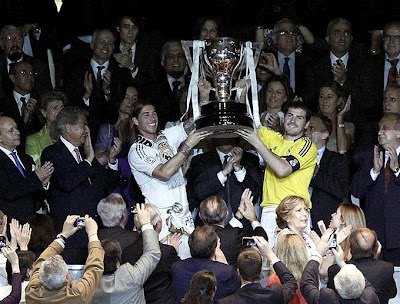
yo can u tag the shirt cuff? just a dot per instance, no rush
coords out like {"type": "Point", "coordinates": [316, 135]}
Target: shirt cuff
{"type": "Point", "coordinates": [373, 175]}
{"type": "Point", "coordinates": [88, 162]}
{"type": "Point", "coordinates": [147, 227]}
{"type": "Point", "coordinates": [222, 178]}
{"type": "Point", "coordinates": [274, 261]}
{"type": "Point", "coordinates": [86, 101]}
{"type": "Point", "coordinates": [60, 242]}
{"type": "Point", "coordinates": [113, 166]}
{"type": "Point", "coordinates": [47, 186]}
{"type": "Point", "coordinates": [134, 72]}
{"type": "Point", "coordinates": [316, 256]}
{"type": "Point", "coordinates": [255, 224]}
{"type": "Point", "coordinates": [240, 175]}
{"type": "Point", "coordinates": [235, 223]}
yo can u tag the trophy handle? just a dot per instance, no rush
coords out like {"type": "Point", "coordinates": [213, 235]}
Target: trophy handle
{"type": "Point", "coordinates": [238, 64]}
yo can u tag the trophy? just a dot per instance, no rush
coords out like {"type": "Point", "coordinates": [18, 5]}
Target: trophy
{"type": "Point", "coordinates": [221, 60]}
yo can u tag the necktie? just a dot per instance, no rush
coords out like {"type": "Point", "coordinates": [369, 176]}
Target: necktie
{"type": "Point", "coordinates": [23, 100]}
{"type": "Point", "coordinates": [19, 165]}
{"type": "Point", "coordinates": [228, 191]}
{"type": "Point", "coordinates": [99, 80]}
{"type": "Point", "coordinates": [388, 174]}
{"type": "Point", "coordinates": [78, 155]}
{"type": "Point", "coordinates": [286, 69]}
{"type": "Point", "coordinates": [175, 90]}
{"type": "Point", "coordinates": [392, 71]}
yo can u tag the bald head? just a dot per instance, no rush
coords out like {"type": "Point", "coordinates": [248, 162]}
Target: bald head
{"type": "Point", "coordinates": [9, 133]}
{"type": "Point", "coordinates": [213, 210]}
{"type": "Point", "coordinates": [363, 243]}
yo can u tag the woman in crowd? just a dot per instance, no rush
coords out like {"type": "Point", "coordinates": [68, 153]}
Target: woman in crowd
{"type": "Point", "coordinates": [293, 253]}
{"type": "Point", "coordinates": [277, 92]}
{"type": "Point", "coordinates": [347, 214]}
{"type": "Point", "coordinates": [202, 288]}
{"type": "Point", "coordinates": [207, 27]}
{"type": "Point", "coordinates": [51, 103]}
{"type": "Point", "coordinates": [123, 133]}
{"type": "Point", "coordinates": [332, 104]}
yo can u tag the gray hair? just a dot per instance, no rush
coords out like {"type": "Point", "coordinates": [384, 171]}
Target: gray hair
{"type": "Point", "coordinates": [9, 27]}
{"type": "Point", "coordinates": [155, 216]}
{"type": "Point", "coordinates": [167, 46]}
{"type": "Point", "coordinates": [349, 282]}
{"type": "Point", "coordinates": [53, 272]}
{"type": "Point", "coordinates": [69, 116]}
{"type": "Point", "coordinates": [111, 209]}
{"type": "Point", "coordinates": [333, 22]}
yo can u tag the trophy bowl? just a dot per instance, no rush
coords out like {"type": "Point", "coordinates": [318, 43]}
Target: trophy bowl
{"type": "Point", "coordinates": [223, 57]}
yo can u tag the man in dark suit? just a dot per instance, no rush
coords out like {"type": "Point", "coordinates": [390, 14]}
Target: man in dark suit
{"type": "Point", "coordinates": [365, 247]}
{"type": "Point", "coordinates": [285, 38]}
{"type": "Point", "coordinates": [93, 85]}
{"type": "Point", "coordinates": [226, 172]}
{"type": "Point", "coordinates": [331, 181]}
{"type": "Point", "coordinates": [205, 255]}
{"type": "Point", "coordinates": [79, 181]}
{"type": "Point", "coordinates": [21, 183]}
{"type": "Point", "coordinates": [377, 181]}
{"type": "Point", "coordinates": [374, 79]}
{"type": "Point", "coordinates": [250, 269]}
{"type": "Point", "coordinates": [113, 214]}
{"type": "Point", "coordinates": [19, 103]}
{"type": "Point", "coordinates": [12, 42]}
{"type": "Point", "coordinates": [166, 91]}
{"type": "Point", "coordinates": [158, 287]}
{"type": "Point", "coordinates": [214, 212]}
{"type": "Point", "coordinates": [350, 284]}
{"type": "Point", "coordinates": [342, 64]}
{"type": "Point", "coordinates": [136, 50]}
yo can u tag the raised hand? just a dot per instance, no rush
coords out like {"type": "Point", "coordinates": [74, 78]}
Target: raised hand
{"type": "Point", "coordinates": [87, 146]}
{"type": "Point", "coordinates": [378, 160]}
{"type": "Point", "coordinates": [106, 82]}
{"type": "Point", "coordinates": [88, 84]}
{"type": "Point", "coordinates": [115, 149]}
{"type": "Point", "coordinates": [246, 206]}
{"type": "Point", "coordinates": [44, 172]}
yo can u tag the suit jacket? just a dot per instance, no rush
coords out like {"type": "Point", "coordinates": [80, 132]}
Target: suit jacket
{"type": "Point", "coordinates": [81, 291]}
{"type": "Point", "coordinates": [319, 71]}
{"type": "Point", "coordinates": [381, 209]}
{"type": "Point", "coordinates": [203, 180]}
{"type": "Point", "coordinates": [378, 273]}
{"type": "Point", "coordinates": [158, 287]}
{"type": "Point", "coordinates": [257, 294]}
{"type": "Point", "coordinates": [228, 280]}
{"type": "Point", "coordinates": [125, 285]}
{"type": "Point", "coordinates": [18, 194]}
{"type": "Point", "coordinates": [100, 110]}
{"type": "Point", "coordinates": [309, 286]}
{"type": "Point", "coordinates": [330, 186]}
{"type": "Point", "coordinates": [42, 80]}
{"type": "Point", "coordinates": [123, 236]}
{"type": "Point", "coordinates": [75, 188]}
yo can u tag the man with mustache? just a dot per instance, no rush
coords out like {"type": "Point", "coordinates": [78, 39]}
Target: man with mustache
{"type": "Point", "coordinates": [12, 42]}
{"type": "Point", "coordinates": [289, 161]}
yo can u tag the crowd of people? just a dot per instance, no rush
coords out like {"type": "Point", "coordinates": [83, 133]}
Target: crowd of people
{"type": "Point", "coordinates": [101, 165]}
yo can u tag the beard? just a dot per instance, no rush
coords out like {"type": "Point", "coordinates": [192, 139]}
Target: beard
{"type": "Point", "coordinates": [14, 57]}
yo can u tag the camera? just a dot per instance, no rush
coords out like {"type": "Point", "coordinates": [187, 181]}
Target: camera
{"type": "Point", "coordinates": [80, 222]}
{"type": "Point", "coordinates": [133, 210]}
{"type": "Point", "coordinates": [248, 241]}
{"type": "Point", "coordinates": [333, 242]}
{"type": "Point", "coordinates": [3, 241]}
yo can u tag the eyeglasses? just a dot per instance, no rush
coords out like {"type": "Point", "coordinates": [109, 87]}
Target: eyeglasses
{"type": "Point", "coordinates": [394, 37]}
{"type": "Point", "coordinates": [286, 33]}
{"type": "Point", "coordinates": [10, 39]}
{"type": "Point", "coordinates": [25, 73]}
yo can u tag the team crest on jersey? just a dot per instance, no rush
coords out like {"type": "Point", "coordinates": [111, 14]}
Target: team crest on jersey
{"type": "Point", "coordinates": [293, 162]}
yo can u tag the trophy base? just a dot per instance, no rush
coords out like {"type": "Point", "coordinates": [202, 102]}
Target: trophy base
{"type": "Point", "coordinates": [223, 118]}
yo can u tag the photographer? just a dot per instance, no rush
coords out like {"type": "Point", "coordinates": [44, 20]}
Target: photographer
{"type": "Point", "coordinates": [51, 282]}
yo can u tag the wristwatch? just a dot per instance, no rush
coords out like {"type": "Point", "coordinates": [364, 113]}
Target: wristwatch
{"type": "Point", "coordinates": [60, 236]}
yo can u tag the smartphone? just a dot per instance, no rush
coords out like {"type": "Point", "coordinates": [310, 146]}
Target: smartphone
{"type": "Point", "coordinates": [321, 226]}
{"type": "Point", "coordinates": [248, 241]}
{"type": "Point", "coordinates": [133, 210]}
{"type": "Point", "coordinates": [80, 222]}
{"type": "Point", "coordinates": [333, 242]}
{"type": "Point", "coordinates": [3, 241]}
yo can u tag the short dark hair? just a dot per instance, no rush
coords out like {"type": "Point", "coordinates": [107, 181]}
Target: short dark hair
{"type": "Point", "coordinates": [249, 264]}
{"type": "Point", "coordinates": [198, 25]}
{"type": "Point", "coordinates": [211, 216]}
{"type": "Point", "coordinates": [26, 260]}
{"type": "Point", "coordinates": [325, 121]}
{"type": "Point", "coordinates": [203, 241]}
{"type": "Point", "coordinates": [112, 255]}
{"type": "Point", "coordinates": [335, 21]}
{"type": "Point", "coordinates": [139, 105]}
{"type": "Point", "coordinates": [297, 105]}
{"type": "Point", "coordinates": [202, 288]}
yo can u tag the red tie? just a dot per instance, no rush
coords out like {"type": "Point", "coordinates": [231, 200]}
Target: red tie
{"type": "Point", "coordinates": [392, 71]}
{"type": "Point", "coordinates": [78, 155]}
{"type": "Point", "coordinates": [388, 174]}
{"type": "Point", "coordinates": [23, 100]}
